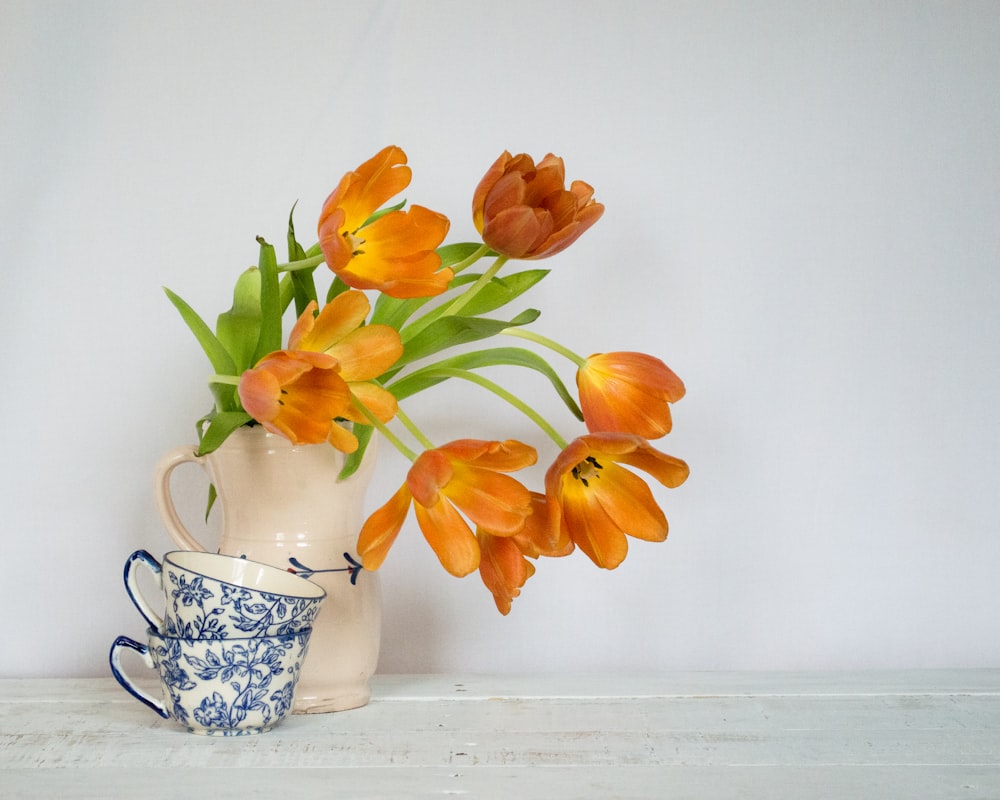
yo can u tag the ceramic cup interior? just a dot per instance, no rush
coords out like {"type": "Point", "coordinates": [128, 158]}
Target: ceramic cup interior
{"type": "Point", "coordinates": [244, 573]}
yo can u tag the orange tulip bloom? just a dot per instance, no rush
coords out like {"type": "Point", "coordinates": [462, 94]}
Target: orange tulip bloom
{"type": "Point", "coordinates": [364, 351]}
{"type": "Point", "coordinates": [503, 565]}
{"type": "Point", "coordinates": [628, 393]}
{"type": "Point", "coordinates": [298, 395]}
{"type": "Point", "coordinates": [597, 502]}
{"type": "Point", "coordinates": [394, 254]}
{"type": "Point", "coordinates": [525, 211]}
{"type": "Point", "coordinates": [461, 476]}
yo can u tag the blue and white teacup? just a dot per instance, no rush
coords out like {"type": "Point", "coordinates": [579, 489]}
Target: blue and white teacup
{"type": "Point", "coordinates": [213, 596]}
{"type": "Point", "coordinates": [218, 687]}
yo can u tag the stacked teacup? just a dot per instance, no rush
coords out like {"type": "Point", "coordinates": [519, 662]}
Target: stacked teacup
{"type": "Point", "coordinates": [229, 646]}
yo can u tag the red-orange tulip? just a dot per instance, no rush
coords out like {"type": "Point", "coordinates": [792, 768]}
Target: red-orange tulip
{"type": "Point", "coordinates": [458, 478]}
{"type": "Point", "coordinates": [298, 395]}
{"type": "Point", "coordinates": [597, 502]}
{"type": "Point", "coordinates": [364, 351]}
{"type": "Point", "coordinates": [525, 211]}
{"type": "Point", "coordinates": [396, 252]}
{"type": "Point", "coordinates": [628, 393]}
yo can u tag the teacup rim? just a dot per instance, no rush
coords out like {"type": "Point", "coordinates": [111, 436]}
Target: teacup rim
{"type": "Point", "coordinates": [153, 633]}
{"type": "Point", "coordinates": [316, 592]}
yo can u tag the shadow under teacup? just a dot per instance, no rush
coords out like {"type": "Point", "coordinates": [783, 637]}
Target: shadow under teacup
{"type": "Point", "coordinates": [218, 687]}
{"type": "Point", "coordinates": [213, 596]}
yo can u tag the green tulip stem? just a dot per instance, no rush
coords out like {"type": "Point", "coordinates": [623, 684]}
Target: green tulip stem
{"type": "Point", "coordinates": [502, 393]}
{"type": "Point", "coordinates": [411, 426]}
{"type": "Point", "coordinates": [307, 263]}
{"type": "Point", "coordinates": [463, 299]}
{"type": "Point", "coordinates": [394, 440]}
{"type": "Point", "coordinates": [470, 259]}
{"type": "Point", "coordinates": [531, 336]}
{"type": "Point", "coordinates": [229, 380]}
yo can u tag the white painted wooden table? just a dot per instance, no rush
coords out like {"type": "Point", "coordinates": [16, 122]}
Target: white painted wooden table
{"type": "Point", "coordinates": [807, 736]}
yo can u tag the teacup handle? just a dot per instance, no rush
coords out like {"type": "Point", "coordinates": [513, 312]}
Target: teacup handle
{"type": "Point", "coordinates": [165, 501]}
{"type": "Point", "coordinates": [114, 657]}
{"type": "Point", "coordinates": [144, 559]}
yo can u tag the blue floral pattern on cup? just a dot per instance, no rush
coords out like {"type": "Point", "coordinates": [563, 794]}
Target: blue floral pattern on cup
{"type": "Point", "coordinates": [220, 687]}
{"type": "Point", "coordinates": [215, 596]}
{"type": "Point", "coordinates": [246, 613]}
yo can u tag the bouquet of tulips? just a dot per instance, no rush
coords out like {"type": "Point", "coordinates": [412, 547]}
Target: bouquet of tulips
{"type": "Point", "coordinates": [398, 298]}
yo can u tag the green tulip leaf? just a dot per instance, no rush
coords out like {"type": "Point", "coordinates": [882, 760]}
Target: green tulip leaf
{"type": "Point", "coordinates": [455, 253]}
{"type": "Point", "coordinates": [302, 281]}
{"type": "Point", "coordinates": [455, 330]}
{"type": "Point", "coordinates": [500, 291]}
{"type": "Point", "coordinates": [239, 328]}
{"type": "Point", "coordinates": [217, 353]}
{"type": "Point", "coordinates": [219, 428]}
{"type": "Point", "coordinates": [270, 303]}
{"type": "Point", "coordinates": [431, 375]}
{"type": "Point", "coordinates": [353, 460]}
{"type": "Point", "coordinates": [395, 311]}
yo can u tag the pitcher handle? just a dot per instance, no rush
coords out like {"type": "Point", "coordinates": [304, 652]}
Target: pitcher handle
{"type": "Point", "coordinates": [165, 501]}
{"type": "Point", "coordinates": [114, 657]}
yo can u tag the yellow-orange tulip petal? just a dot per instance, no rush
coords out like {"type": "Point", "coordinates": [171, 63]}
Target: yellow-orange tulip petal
{"type": "Point", "coordinates": [380, 402]}
{"type": "Point", "coordinates": [596, 502]}
{"type": "Point", "coordinates": [295, 394]}
{"type": "Point", "coordinates": [498, 503]}
{"type": "Point", "coordinates": [341, 438]}
{"type": "Point", "coordinates": [395, 253]}
{"type": "Point", "coordinates": [503, 568]}
{"type": "Point", "coordinates": [364, 351]}
{"type": "Point", "coordinates": [382, 527]}
{"type": "Point", "coordinates": [343, 314]}
{"type": "Point", "coordinates": [365, 190]}
{"type": "Point", "coordinates": [367, 352]}
{"type": "Point", "coordinates": [523, 210]}
{"type": "Point", "coordinates": [449, 536]}
{"type": "Point", "coordinates": [628, 393]}
{"type": "Point", "coordinates": [506, 456]}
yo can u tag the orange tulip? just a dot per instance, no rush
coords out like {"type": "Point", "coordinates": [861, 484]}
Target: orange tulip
{"type": "Point", "coordinates": [462, 476]}
{"type": "Point", "coordinates": [503, 568]}
{"type": "Point", "coordinates": [503, 565]}
{"type": "Point", "coordinates": [525, 211]}
{"type": "Point", "coordinates": [298, 395]}
{"type": "Point", "coordinates": [597, 502]}
{"type": "Point", "coordinates": [395, 253]}
{"type": "Point", "coordinates": [364, 351]}
{"type": "Point", "coordinates": [628, 393]}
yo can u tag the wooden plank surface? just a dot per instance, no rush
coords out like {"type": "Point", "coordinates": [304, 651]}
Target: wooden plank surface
{"type": "Point", "coordinates": [705, 735]}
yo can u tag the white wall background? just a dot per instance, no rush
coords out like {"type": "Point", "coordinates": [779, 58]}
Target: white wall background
{"type": "Point", "coordinates": [802, 220]}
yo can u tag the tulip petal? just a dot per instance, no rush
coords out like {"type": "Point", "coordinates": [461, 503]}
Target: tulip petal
{"type": "Point", "coordinates": [380, 402]}
{"type": "Point", "coordinates": [342, 315]}
{"type": "Point", "coordinates": [450, 537]}
{"type": "Point", "coordinates": [503, 569]}
{"type": "Point", "coordinates": [497, 503]}
{"type": "Point", "coordinates": [630, 504]}
{"type": "Point", "coordinates": [592, 530]}
{"type": "Point", "coordinates": [506, 456]}
{"type": "Point", "coordinates": [367, 352]}
{"type": "Point", "coordinates": [381, 529]}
